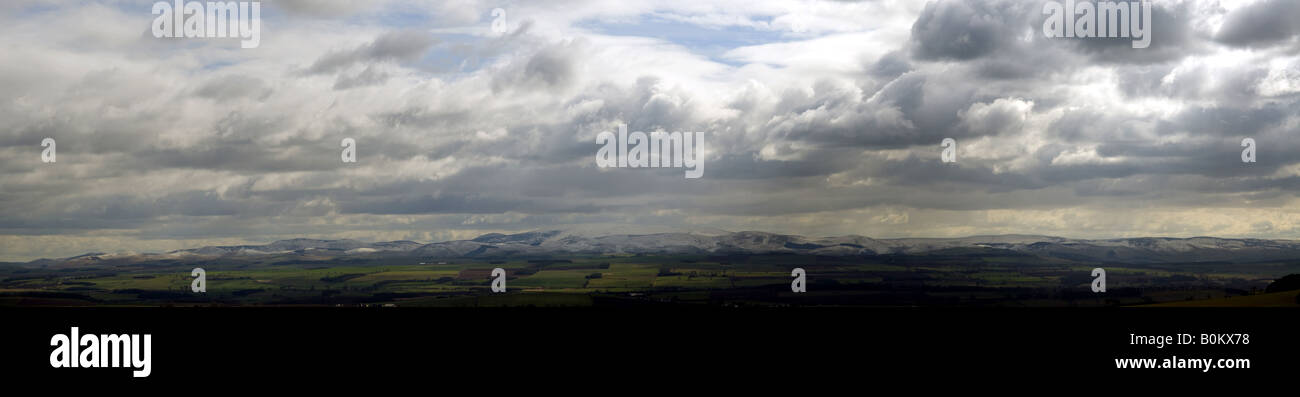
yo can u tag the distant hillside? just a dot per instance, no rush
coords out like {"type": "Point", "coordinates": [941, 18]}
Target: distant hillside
{"type": "Point", "coordinates": [1276, 299]}
{"type": "Point", "coordinates": [1144, 250]}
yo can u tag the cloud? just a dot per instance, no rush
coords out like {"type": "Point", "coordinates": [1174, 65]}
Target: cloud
{"type": "Point", "coordinates": [833, 128]}
{"type": "Point", "coordinates": [964, 30]}
{"type": "Point", "coordinates": [323, 8]}
{"type": "Point", "coordinates": [401, 46]}
{"type": "Point", "coordinates": [1261, 24]}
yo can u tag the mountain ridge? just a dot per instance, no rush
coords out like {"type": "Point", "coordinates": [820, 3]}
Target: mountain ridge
{"type": "Point", "coordinates": [1136, 250]}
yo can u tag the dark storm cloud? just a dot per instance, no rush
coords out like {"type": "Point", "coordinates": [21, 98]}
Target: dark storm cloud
{"type": "Point", "coordinates": [1229, 120]}
{"type": "Point", "coordinates": [367, 77]}
{"type": "Point", "coordinates": [1172, 38]}
{"type": "Point", "coordinates": [964, 30]}
{"type": "Point", "coordinates": [750, 166]}
{"type": "Point", "coordinates": [240, 156]}
{"type": "Point", "coordinates": [399, 46]}
{"type": "Point", "coordinates": [549, 68]}
{"type": "Point", "coordinates": [460, 204]}
{"type": "Point", "coordinates": [1261, 24]}
{"type": "Point", "coordinates": [1004, 39]}
{"type": "Point", "coordinates": [914, 109]}
{"type": "Point", "coordinates": [320, 8]}
{"type": "Point", "coordinates": [121, 211]}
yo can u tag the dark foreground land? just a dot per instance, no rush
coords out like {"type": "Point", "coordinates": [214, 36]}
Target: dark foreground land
{"type": "Point", "coordinates": [939, 279]}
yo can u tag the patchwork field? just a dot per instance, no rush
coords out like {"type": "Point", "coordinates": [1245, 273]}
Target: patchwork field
{"type": "Point", "coordinates": [742, 280]}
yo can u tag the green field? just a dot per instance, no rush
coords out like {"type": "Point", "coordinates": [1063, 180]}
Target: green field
{"type": "Point", "coordinates": [749, 280]}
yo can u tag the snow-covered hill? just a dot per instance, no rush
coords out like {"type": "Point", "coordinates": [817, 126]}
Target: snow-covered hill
{"type": "Point", "coordinates": [609, 240]}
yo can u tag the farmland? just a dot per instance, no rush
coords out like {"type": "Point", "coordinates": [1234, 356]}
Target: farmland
{"type": "Point", "coordinates": [613, 280]}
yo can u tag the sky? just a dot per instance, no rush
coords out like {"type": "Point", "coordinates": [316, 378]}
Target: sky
{"type": "Point", "coordinates": [819, 118]}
